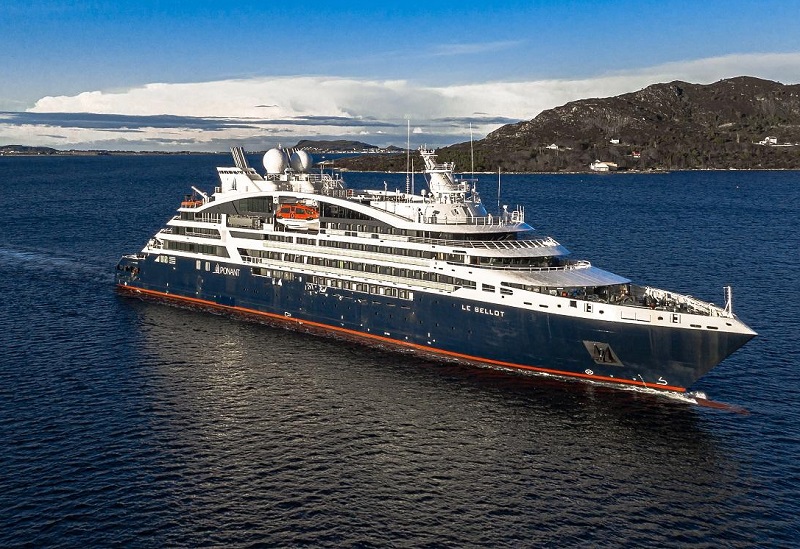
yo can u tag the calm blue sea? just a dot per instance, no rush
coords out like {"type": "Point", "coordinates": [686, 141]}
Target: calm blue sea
{"type": "Point", "coordinates": [125, 423]}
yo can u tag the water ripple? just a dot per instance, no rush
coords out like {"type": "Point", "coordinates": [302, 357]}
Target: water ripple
{"type": "Point", "coordinates": [134, 424]}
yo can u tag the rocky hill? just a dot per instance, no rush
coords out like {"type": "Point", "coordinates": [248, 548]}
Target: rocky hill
{"type": "Point", "coordinates": [671, 126]}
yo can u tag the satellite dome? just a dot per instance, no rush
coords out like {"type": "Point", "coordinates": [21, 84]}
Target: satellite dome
{"type": "Point", "coordinates": [275, 161]}
{"type": "Point", "coordinates": [301, 161]}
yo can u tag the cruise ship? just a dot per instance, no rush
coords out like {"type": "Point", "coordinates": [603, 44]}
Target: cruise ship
{"type": "Point", "coordinates": [433, 272]}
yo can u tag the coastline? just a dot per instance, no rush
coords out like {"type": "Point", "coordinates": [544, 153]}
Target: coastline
{"type": "Point", "coordinates": [77, 153]}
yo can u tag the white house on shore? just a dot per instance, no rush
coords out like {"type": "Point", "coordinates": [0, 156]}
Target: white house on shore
{"type": "Point", "coordinates": [599, 166]}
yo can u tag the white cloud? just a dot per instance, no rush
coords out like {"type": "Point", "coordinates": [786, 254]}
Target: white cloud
{"type": "Point", "coordinates": [470, 48]}
{"type": "Point", "coordinates": [782, 67]}
{"type": "Point", "coordinates": [321, 106]}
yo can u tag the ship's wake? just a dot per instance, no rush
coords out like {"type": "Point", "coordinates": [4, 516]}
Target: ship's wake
{"type": "Point", "coordinates": [48, 263]}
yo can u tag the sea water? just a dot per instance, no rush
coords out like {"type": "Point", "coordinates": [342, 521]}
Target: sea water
{"type": "Point", "coordinates": [130, 423]}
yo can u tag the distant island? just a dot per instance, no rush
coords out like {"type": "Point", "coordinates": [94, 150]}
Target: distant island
{"type": "Point", "coordinates": [338, 146]}
{"type": "Point", "coordinates": [26, 150]}
{"type": "Point", "coordinates": [737, 123]}
{"type": "Point", "coordinates": [343, 146]}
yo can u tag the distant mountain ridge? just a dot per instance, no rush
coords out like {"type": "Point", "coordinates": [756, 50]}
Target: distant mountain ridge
{"type": "Point", "coordinates": [672, 126]}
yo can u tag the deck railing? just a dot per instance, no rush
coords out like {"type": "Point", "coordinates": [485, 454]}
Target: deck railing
{"type": "Point", "coordinates": [346, 254]}
{"type": "Point", "coordinates": [357, 276]}
{"type": "Point", "coordinates": [580, 264]}
{"type": "Point", "coordinates": [670, 298]}
{"type": "Point", "coordinates": [547, 242]}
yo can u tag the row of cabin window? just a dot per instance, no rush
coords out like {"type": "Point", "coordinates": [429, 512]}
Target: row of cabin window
{"type": "Point", "coordinates": [202, 217]}
{"type": "Point", "coordinates": [544, 261]}
{"type": "Point", "coordinates": [389, 250]}
{"type": "Point", "coordinates": [528, 288]}
{"type": "Point", "coordinates": [274, 273]}
{"type": "Point", "coordinates": [374, 289]}
{"type": "Point", "coordinates": [491, 288]}
{"type": "Point", "coordinates": [206, 249]}
{"type": "Point", "coordinates": [332, 210]}
{"type": "Point", "coordinates": [195, 231]}
{"type": "Point", "coordinates": [367, 248]}
{"type": "Point", "coordinates": [360, 267]}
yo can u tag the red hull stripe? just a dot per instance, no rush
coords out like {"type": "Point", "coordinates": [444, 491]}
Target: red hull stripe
{"type": "Point", "coordinates": [292, 320]}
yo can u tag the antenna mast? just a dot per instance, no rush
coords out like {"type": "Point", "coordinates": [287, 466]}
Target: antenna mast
{"type": "Point", "coordinates": [412, 177]}
{"type": "Point", "coordinates": [471, 152]}
{"type": "Point", "coordinates": [408, 156]}
{"type": "Point", "coordinates": [498, 188]}
{"type": "Point", "coordinates": [728, 298]}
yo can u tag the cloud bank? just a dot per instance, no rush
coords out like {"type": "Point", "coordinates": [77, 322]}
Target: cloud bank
{"type": "Point", "coordinates": [261, 111]}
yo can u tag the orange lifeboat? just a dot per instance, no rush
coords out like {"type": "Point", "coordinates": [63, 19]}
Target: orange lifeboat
{"type": "Point", "coordinates": [297, 211]}
{"type": "Point", "coordinates": [298, 217]}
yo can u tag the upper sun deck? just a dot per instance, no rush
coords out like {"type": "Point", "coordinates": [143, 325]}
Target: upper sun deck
{"type": "Point", "coordinates": [448, 202]}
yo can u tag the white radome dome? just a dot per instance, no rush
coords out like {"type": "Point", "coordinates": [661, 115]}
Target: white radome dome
{"type": "Point", "coordinates": [275, 161]}
{"type": "Point", "coordinates": [301, 161]}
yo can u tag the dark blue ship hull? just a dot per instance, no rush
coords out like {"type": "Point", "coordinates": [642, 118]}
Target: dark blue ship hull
{"type": "Point", "coordinates": [645, 355]}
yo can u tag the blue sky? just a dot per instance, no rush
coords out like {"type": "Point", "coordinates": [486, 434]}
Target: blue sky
{"type": "Point", "coordinates": [204, 75]}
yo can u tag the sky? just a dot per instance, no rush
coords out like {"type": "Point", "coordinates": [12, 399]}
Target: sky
{"type": "Point", "coordinates": [203, 76]}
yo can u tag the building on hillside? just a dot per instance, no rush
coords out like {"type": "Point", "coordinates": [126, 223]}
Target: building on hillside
{"type": "Point", "coordinates": [599, 166]}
